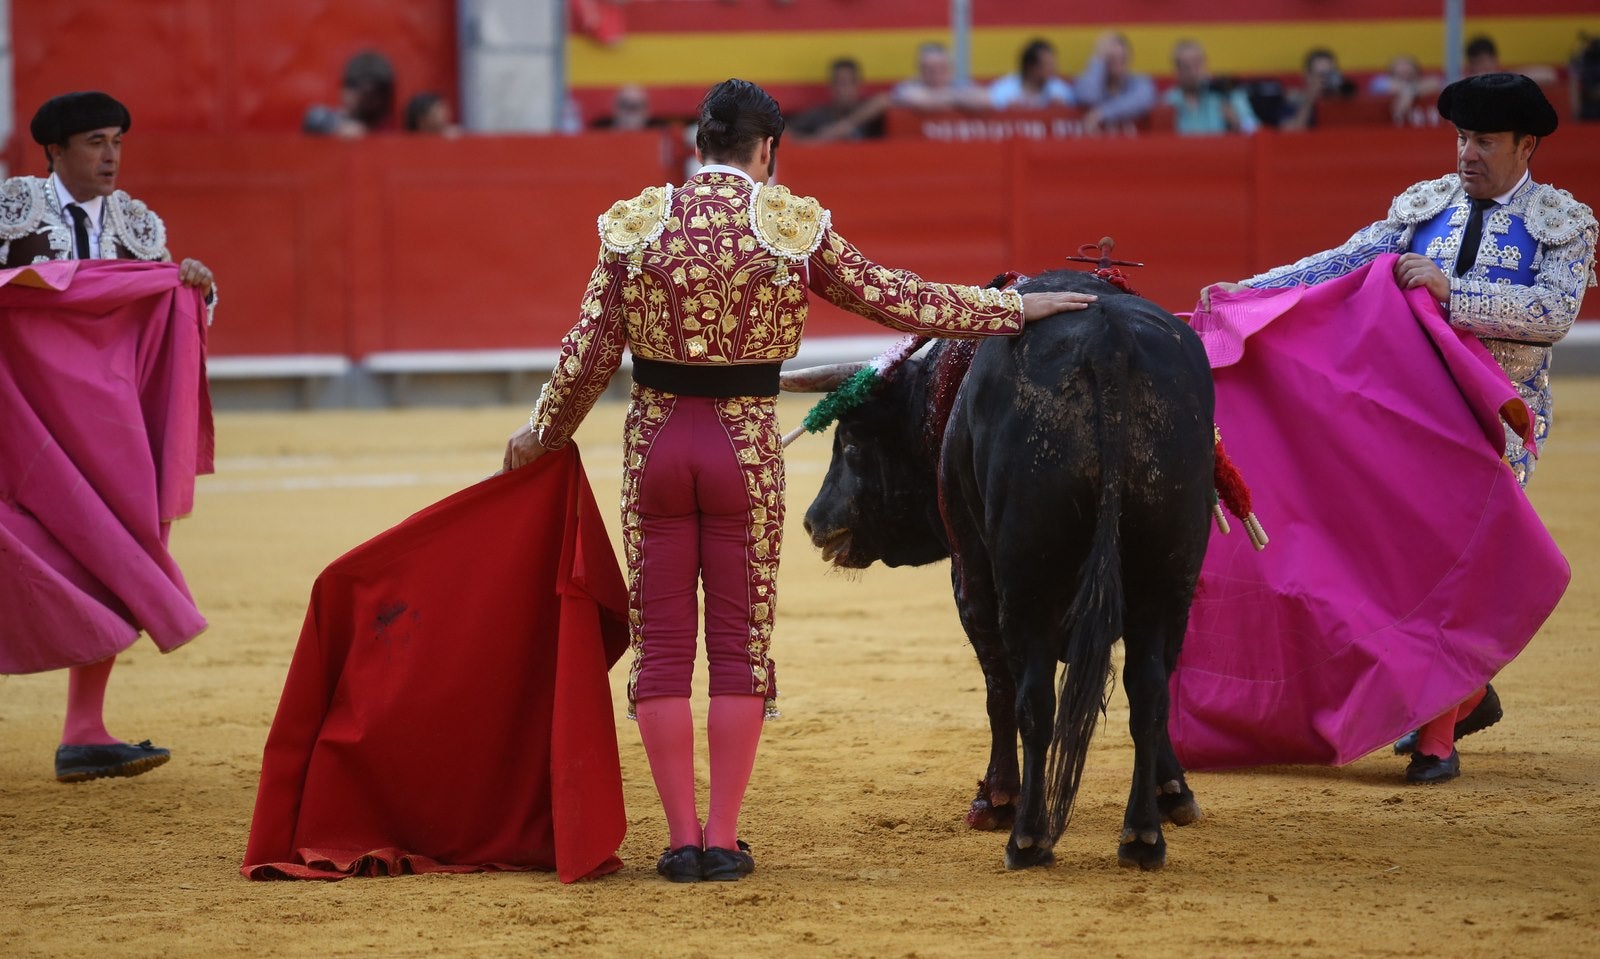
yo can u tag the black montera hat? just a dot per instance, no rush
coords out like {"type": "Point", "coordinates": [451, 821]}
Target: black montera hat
{"type": "Point", "coordinates": [1492, 102]}
{"type": "Point", "coordinates": [70, 113]}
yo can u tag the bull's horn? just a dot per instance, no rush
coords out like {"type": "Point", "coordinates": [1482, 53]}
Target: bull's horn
{"type": "Point", "coordinates": [818, 379]}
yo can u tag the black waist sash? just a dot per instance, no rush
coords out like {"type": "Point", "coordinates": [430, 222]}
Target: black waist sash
{"type": "Point", "coordinates": [706, 379]}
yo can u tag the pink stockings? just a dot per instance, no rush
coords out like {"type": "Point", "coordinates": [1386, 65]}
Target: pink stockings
{"type": "Point", "coordinates": [733, 730]}
{"type": "Point", "coordinates": [86, 696]}
{"type": "Point", "coordinates": [1438, 737]}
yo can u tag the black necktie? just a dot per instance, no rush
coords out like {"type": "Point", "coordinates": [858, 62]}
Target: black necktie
{"type": "Point", "coordinates": [80, 229]}
{"type": "Point", "coordinates": [1472, 237]}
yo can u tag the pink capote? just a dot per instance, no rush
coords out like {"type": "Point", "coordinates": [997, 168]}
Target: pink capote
{"type": "Point", "coordinates": [105, 420]}
{"type": "Point", "coordinates": [1405, 567]}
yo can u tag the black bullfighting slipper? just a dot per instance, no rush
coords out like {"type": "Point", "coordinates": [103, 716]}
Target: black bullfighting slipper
{"type": "Point", "coordinates": [79, 764]}
{"type": "Point", "coordinates": [681, 864]}
{"type": "Point", "coordinates": [1483, 715]}
{"type": "Point", "coordinates": [728, 865]}
{"type": "Point", "coordinates": [1427, 769]}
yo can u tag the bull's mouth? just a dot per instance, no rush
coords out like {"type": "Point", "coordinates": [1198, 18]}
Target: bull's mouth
{"type": "Point", "coordinates": [836, 549]}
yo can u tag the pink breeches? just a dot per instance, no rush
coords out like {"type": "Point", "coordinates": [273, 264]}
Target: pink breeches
{"type": "Point", "coordinates": [702, 508]}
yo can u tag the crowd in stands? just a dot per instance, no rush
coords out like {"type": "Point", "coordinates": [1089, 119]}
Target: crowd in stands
{"type": "Point", "coordinates": [1105, 96]}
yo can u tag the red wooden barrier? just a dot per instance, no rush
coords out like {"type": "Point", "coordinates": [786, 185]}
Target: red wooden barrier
{"type": "Point", "coordinates": [396, 243]}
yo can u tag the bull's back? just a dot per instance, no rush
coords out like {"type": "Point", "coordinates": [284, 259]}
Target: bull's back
{"type": "Point", "coordinates": [1041, 415]}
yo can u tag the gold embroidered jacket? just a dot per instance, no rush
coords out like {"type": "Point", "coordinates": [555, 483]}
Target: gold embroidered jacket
{"type": "Point", "coordinates": [716, 272]}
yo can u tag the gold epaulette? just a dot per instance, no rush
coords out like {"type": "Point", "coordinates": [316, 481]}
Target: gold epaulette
{"type": "Point", "coordinates": [632, 225]}
{"type": "Point", "coordinates": [787, 225]}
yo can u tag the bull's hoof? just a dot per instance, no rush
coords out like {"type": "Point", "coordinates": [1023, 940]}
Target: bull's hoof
{"type": "Point", "coordinates": [1177, 804]}
{"type": "Point", "coordinates": [991, 809]}
{"type": "Point", "coordinates": [1035, 855]}
{"type": "Point", "coordinates": [1145, 849]}
{"type": "Point", "coordinates": [982, 815]}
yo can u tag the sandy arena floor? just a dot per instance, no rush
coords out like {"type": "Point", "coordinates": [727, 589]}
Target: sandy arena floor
{"type": "Point", "coordinates": [855, 810]}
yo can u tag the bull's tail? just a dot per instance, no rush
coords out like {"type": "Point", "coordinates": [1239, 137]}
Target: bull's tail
{"type": "Point", "coordinates": [1095, 617]}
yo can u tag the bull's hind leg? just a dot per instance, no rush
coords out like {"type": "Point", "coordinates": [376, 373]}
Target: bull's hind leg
{"type": "Point", "coordinates": [994, 806]}
{"type": "Point", "coordinates": [1144, 679]}
{"type": "Point", "coordinates": [1031, 843]}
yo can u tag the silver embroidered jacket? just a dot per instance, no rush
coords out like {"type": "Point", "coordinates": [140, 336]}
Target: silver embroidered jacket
{"type": "Point", "coordinates": [1536, 258]}
{"type": "Point", "coordinates": [33, 229]}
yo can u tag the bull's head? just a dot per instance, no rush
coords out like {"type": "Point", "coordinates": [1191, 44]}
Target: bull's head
{"type": "Point", "coordinates": [879, 500]}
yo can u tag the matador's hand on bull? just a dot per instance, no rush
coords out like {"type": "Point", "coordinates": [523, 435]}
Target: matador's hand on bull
{"type": "Point", "coordinates": [1037, 306]}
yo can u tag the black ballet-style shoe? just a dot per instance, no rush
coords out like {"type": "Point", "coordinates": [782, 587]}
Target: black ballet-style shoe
{"type": "Point", "coordinates": [681, 864]}
{"type": "Point", "coordinates": [79, 764]}
{"type": "Point", "coordinates": [1426, 769]}
{"type": "Point", "coordinates": [728, 865]}
{"type": "Point", "coordinates": [1483, 715]}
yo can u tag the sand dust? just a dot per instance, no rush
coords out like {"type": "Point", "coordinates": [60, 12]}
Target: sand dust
{"type": "Point", "coordinates": [855, 811]}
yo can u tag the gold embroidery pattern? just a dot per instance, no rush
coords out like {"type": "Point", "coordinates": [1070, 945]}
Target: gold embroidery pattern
{"type": "Point", "coordinates": [591, 353]}
{"type": "Point", "coordinates": [707, 290]}
{"type": "Point", "coordinates": [904, 301]}
{"type": "Point", "coordinates": [648, 411]}
{"type": "Point", "coordinates": [752, 427]}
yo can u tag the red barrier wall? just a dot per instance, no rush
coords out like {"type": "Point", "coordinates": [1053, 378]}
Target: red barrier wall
{"type": "Point", "coordinates": [223, 66]}
{"type": "Point", "coordinates": [401, 244]}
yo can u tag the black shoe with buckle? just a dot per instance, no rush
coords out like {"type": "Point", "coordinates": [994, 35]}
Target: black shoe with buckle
{"type": "Point", "coordinates": [728, 865]}
{"type": "Point", "coordinates": [1431, 769]}
{"type": "Point", "coordinates": [681, 864]}
{"type": "Point", "coordinates": [1483, 715]}
{"type": "Point", "coordinates": [79, 764]}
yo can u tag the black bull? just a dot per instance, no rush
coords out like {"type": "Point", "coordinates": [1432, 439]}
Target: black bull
{"type": "Point", "coordinates": [1071, 488]}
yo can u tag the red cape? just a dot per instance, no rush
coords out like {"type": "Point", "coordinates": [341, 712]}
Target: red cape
{"type": "Point", "coordinates": [447, 709]}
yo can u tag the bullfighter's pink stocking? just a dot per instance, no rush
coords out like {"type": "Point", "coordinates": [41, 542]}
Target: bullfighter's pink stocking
{"type": "Point", "coordinates": [86, 698]}
{"type": "Point", "coordinates": [1438, 737]}
{"type": "Point", "coordinates": [733, 731]}
{"type": "Point", "coordinates": [667, 727]}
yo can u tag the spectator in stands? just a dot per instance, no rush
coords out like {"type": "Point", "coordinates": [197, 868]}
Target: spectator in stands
{"type": "Point", "coordinates": [1584, 74]}
{"type": "Point", "coordinates": [430, 113]}
{"type": "Point", "coordinates": [1201, 103]}
{"type": "Point", "coordinates": [1036, 85]}
{"type": "Point", "coordinates": [935, 87]}
{"type": "Point", "coordinates": [630, 110]}
{"type": "Point", "coordinates": [1322, 81]}
{"type": "Point", "coordinates": [1482, 56]}
{"type": "Point", "coordinates": [1403, 83]}
{"type": "Point", "coordinates": [366, 100]}
{"type": "Point", "coordinates": [93, 551]}
{"type": "Point", "coordinates": [847, 115]}
{"type": "Point", "coordinates": [1115, 97]}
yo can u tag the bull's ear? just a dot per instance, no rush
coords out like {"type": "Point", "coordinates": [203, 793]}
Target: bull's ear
{"type": "Point", "coordinates": [818, 379]}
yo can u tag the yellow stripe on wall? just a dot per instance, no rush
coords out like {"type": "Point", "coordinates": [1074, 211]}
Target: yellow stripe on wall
{"type": "Point", "coordinates": [676, 59]}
